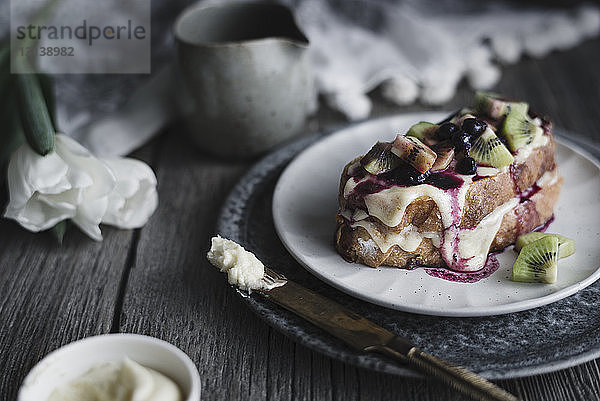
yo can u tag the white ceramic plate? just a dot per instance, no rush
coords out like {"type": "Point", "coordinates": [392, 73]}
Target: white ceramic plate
{"type": "Point", "coordinates": [305, 203]}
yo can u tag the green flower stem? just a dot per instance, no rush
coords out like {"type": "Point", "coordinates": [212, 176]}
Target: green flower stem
{"type": "Point", "coordinates": [35, 117]}
{"type": "Point", "coordinates": [4, 70]}
{"type": "Point", "coordinates": [59, 230]}
{"type": "Point", "coordinates": [30, 102]}
{"type": "Point", "coordinates": [47, 85]}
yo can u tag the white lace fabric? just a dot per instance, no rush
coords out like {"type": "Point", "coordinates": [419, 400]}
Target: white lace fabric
{"type": "Point", "coordinates": [419, 54]}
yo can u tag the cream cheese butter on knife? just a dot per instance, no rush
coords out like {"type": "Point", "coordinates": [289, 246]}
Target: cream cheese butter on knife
{"type": "Point", "coordinates": [243, 268]}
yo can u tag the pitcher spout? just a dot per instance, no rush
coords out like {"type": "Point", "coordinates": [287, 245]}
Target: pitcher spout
{"type": "Point", "coordinates": [235, 23]}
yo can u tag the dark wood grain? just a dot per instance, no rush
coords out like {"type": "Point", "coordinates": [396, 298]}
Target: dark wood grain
{"type": "Point", "coordinates": [157, 281]}
{"type": "Point", "coordinates": [51, 295]}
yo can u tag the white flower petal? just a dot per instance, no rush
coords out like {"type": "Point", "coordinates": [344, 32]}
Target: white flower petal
{"type": "Point", "coordinates": [128, 186]}
{"type": "Point", "coordinates": [62, 185]}
{"type": "Point", "coordinates": [67, 199]}
{"type": "Point", "coordinates": [80, 160]}
{"type": "Point", "coordinates": [89, 214]}
{"type": "Point", "coordinates": [46, 173]}
{"type": "Point", "coordinates": [126, 166]}
{"type": "Point", "coordinates": [29, 172]}
{"type": "Point", "coordinates": [135, 211]}
{"type": "Point", "coordinates": [19, 189]}
{"type": "Point", "coordinates": [79, 178]}
{"type": "Point", "coordinates": [129, 173]}
{"type": "Point", "coordinates": [38, 216]}
{"type": "Point", "coordinates": [135, 198]}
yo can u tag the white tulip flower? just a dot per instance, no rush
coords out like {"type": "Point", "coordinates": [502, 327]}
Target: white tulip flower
{"type": "Point", "coordinates": [134, 199]}
{"type": "Point", "coordinates": [71, 183]}
{"type": "Point", "coordinates": [68, 183]}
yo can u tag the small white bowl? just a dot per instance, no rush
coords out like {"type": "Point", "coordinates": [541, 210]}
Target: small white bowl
{"type": "Point", "coordinates": [74, 359]}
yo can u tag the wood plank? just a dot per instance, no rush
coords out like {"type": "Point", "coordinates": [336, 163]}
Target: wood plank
{"type": "Point", "coordinates": [281, 368]}
{"type": "Point", "coordinates": [344, 381]}
{"type": "Point", "coordinates": [312, 375]}
{"type": "Point", "coordinates": [53, 295]}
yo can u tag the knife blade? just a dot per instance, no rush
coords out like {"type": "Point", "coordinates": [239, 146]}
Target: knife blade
{"type": "Point", "coordinates": [366, 336]}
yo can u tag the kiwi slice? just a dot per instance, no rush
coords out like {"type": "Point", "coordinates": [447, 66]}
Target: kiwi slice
{"type": "Point", "coordinates": [497, 106]}
{"type": "Point", "coordinates": [379, 159]}
{"type": "Point", "coordinates": [424, 131]}
{"type": "Point", "coordinates": [537, 262]}
{"type": "Point", "coordinates": [519, 130]}
{"type": "Point", "coordinates": [445, 155]}
{"type": "Point", "coordinates": [566, 246]}
{"type": "Point", "coordinates": [487, 150]}
{"type": "Point", "coordinates": [414, 152]}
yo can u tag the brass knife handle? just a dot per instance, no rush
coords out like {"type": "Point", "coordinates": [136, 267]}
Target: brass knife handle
{"type": "Point", "coordinates": [457, 377]}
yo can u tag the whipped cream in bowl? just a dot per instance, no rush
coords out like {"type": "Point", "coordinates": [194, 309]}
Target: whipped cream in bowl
{"type": "Point", "coordinates": [115, 367]}
{"type": "Point", "coordinates": [119, 381]}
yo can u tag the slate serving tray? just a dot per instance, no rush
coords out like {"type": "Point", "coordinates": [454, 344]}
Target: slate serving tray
{"type": "Point", "coordinates": [540, 340]}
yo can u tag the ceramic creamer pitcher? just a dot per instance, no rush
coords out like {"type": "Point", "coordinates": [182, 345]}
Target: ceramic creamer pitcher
{"type": "Point", "coordinates": [246, 74]}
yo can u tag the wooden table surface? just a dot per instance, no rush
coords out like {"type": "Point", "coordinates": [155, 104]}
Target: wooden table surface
{"type": "Point", "coordinates": [156, 280]}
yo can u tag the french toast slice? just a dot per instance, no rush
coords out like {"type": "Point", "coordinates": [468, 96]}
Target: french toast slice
{"type": "Point", "coordinates": [453, 224]}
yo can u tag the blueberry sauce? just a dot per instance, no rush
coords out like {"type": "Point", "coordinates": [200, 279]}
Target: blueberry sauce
{"type": "Point", "coordinates": [474, 126]}
{"type": "Point", "coordinates": [529, 192]}
{"type": "Point", "coordinates": [372, 185]}
{"type": "Point", "coordinates": [446, 180]}
{"type": "Point", "coordinates": [544, 227]}
{"type": "Point", "coordinates": [447, 131]}
{"type": "Point", "coordinates": [488, 269]}
{"type": "Point", "coordinates": [461, 141]}
{"type": "Point", "coordinates": [467, 165]}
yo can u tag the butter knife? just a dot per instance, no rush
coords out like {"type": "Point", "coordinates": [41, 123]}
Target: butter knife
{"type": "Point", "coordinates": [364, 335]}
